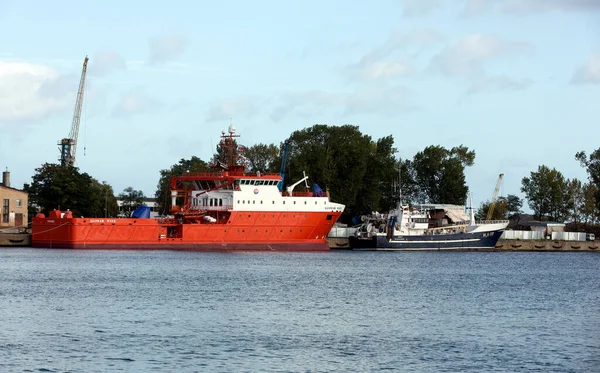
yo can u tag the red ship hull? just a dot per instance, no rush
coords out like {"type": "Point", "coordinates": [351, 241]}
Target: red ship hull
{"type": "Point", "coordinates": [243, 230]}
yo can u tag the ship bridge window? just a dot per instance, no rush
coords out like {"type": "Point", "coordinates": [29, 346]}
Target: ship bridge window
{"type": "Point", "coordinates": [220, 202]}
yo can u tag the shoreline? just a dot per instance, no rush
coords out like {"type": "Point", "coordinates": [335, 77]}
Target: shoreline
{"type": "Point", "coordinates": [338, 243]}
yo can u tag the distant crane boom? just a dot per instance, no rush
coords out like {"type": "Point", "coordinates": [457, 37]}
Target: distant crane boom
{"type": "Point", "coordinates": [490, 212]}
{"type": "Point", "coordinates": [68, 146]}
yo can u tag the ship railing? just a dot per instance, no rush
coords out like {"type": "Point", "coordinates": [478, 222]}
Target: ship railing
{"type": "Point", "coordinates": [492, 221]}
{"type": "Point", "coordinates": [166, 220]}
{"type": "Point", "coordinates": [223, 173]}
{"type": "Point", "coordinates": [212, 208]}
{"type": "Point", "coordinates": [448, 229]}
{"type": "Point", "coordinates": [304, 194]}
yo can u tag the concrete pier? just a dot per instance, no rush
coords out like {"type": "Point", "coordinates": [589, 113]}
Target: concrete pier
{"type": "Point", "coordinates": [15, 239]}
{"type": "Point", "coordinates": [547, 245]}
{"type": "Point", "coordinates": [507, 245]}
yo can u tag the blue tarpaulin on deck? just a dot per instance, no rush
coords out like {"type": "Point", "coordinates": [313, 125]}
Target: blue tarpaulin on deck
{"type": "Point", "coordinates": [317, 191]}
{"type": "Point", "coordinates": [142, 212]}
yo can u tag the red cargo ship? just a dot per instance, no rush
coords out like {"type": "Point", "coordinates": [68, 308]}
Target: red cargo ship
{"type": "Point", "coordinates": [225, 210]}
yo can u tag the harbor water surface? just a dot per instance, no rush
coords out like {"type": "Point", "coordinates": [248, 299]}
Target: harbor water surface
{"type": "Point", "coordinates": [128, 311]}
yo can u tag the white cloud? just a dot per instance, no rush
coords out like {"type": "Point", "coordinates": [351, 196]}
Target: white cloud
{"type": "Point", "coordinates": [420, 7]}
{"type": "Point", "coordinates": [474, 7]}
{"type": "Point", "coordinates": [524, 7]}
{"type": "Point", "coordinates": [389, 101]}
{"type": "Point", "coordinates": [590, 73]}
{"type": "Point", "coordinates": [383, 99]}
{"type": "Point", "coordinates": [499, 83]}
{"type": "Point", "coordinates": [165, 48]}
{"type": "Point", "coordinates": [105, 62]}
{"type": "Point", "coordinates": [30, 91]}
{"type": "Point", "coordinates": [382, 63]}
{"type": "Point", "coordinates": [539, 6]}
{"type": "Point", "coordinates": [134, 103]}
{"type": "Point", "coordinates": [401, 40]}
{"type": "Point", "coordinates": [303, 103]}
{"type": "Point", "coordinates": [384, 70]}
{"type": "Point", "coordinates": [465, 56]}
{"type": "Point", "coordinates": [240, 107]}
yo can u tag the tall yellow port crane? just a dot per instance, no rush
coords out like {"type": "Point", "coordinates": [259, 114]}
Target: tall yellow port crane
{"type": "Point", "coordinates": [68, 146]}
{"type": "Point", "coordinates": [490, 212]}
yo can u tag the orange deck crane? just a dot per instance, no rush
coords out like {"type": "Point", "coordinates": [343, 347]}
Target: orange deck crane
{"type": "Point", "coordinates": [68, 146]}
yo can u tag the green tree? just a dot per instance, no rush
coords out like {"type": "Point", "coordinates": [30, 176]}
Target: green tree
{"type": "Point", "coordinates": [379, 186]}
{"type": "Point", "coordinates": [262, 157]}
{"type": "Point", "coordinates": [108, 206]}
{"type": "Point", "coordinates": [56, 187]}
{"type": "Point", "coordinates": [408, 189]}
{"type": "Point", "coordinates": [505, 208]}
{"type": "Point", "coordinates": [577, 200]}
{"type": "Point", "coordinates": [131, 199]}
{"type": "Point", "coordinates": [547, 193]}
{"type": "Point", "coordinates": [163, 189]}
{"type": "Point", "coordinates": [592, 166]}
{"type": "Point", "coordinates": [589, 210]}
{"type": "Point", "coordinates": [439, 174]}
{"type": "Point", "coordinates": [336, 158]}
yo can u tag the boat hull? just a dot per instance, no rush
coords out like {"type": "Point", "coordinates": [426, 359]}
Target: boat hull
{"type": "Point", "coordinates": [208, 247]}
{"type": "Point", "coordinates": [476, 241]}
{"type": "Point", "coordinates": [242, 231]}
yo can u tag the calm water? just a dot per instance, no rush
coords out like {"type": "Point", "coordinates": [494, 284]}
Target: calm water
{"type": "Point", "coordinates": [102, 311]}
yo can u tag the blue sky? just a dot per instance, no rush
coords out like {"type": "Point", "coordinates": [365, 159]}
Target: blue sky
{"type": "Point", "coordinates": [518, 81]}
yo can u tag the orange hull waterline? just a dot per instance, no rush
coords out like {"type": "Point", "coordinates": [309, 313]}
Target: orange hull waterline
{"type": "Point", "coordinates": [226, 210]}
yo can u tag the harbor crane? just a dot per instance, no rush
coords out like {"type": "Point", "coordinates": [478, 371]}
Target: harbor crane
{"type": "Point", "coordinates": [490, 212]}
{"type": "Point", "coordinates": [68, 146]}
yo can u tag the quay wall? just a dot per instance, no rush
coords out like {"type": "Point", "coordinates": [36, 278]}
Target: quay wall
{"type": "Point", "coordinates": [15, 239]}
{"type": "Point", "coordinates": [509, 245]}
{"type": "Point", "coordinates": [547, 245]}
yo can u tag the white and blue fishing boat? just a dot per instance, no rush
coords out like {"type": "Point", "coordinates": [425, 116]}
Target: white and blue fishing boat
{"type": "Point", "coordinates": [426, 227]}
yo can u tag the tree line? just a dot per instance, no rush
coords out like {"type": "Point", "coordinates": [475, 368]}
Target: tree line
{"type": "Point", "coordinates": [358, 171]}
